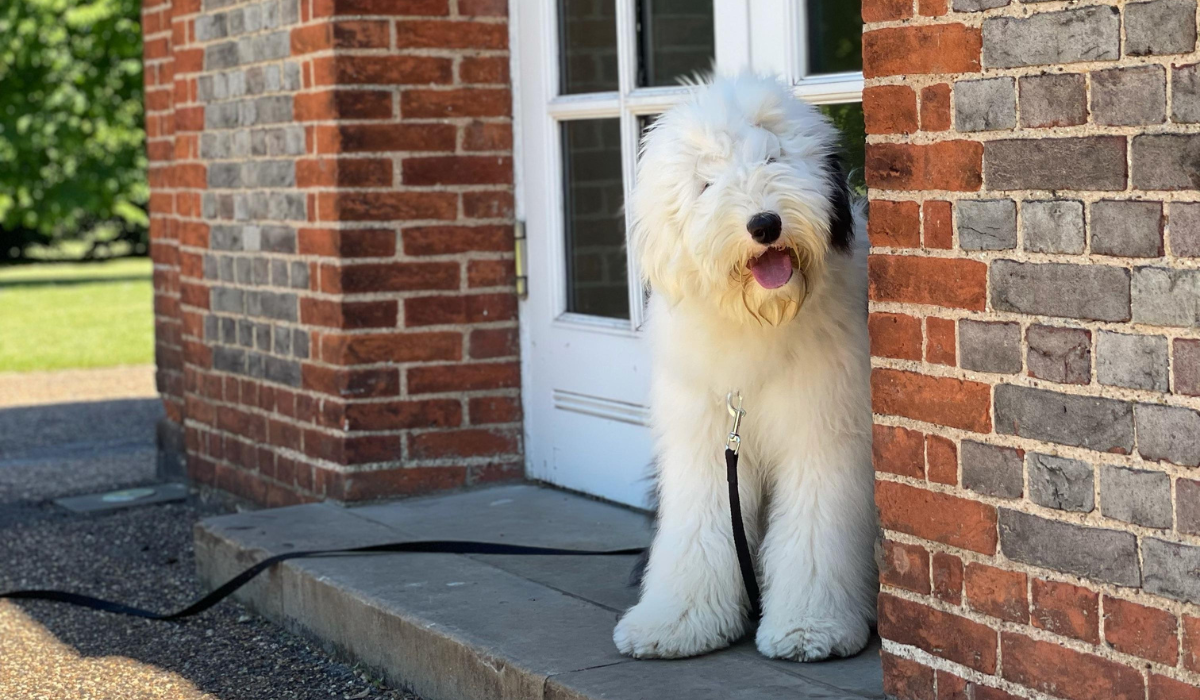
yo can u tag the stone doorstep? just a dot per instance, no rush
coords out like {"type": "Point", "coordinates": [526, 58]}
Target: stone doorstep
{"type": "Point", "coordinates": [455, 627]}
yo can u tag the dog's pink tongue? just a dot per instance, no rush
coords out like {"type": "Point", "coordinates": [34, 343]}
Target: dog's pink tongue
{"type": "Point", "coordinates": [772, 269]}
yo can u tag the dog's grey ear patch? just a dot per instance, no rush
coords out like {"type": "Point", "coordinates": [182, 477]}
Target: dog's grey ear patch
{"type": "Point", "coordinates": [841, 220]}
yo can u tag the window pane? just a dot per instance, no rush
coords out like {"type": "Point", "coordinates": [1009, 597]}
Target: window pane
{"type": "Point", "coordinates": [834, 36]}
{"type": "Point", "coordinates": [594, 220]}
{"type": "Point", "coordinates": [675, 39]}
{"type": "Point", "coordinates": [587, 39]}
{"type": "Point", "coordinates": [848, 118]}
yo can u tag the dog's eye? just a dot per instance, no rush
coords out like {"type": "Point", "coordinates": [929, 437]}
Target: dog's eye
{"type": "Point", "coordinates": [770, 160]}
{"type": "Point", "coordinates": [705, 187]}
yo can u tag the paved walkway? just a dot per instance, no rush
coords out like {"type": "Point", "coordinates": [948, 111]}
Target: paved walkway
{"type": "Point", "coordinates": [85, 431]}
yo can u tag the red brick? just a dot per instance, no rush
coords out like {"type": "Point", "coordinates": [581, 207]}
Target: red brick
{"type": "Point", "coordinates": [997, 592]}
{"type": "Point", "coordinates": [488, 205]}
{"type": "Point", "coordinates": [936, 48]}
{"type": "Point", "coordinates": [898, 451]}
{"type": "Point", "coordinates": [389, 277]}
{"type": "Point", "coordinates": [938, 225]}
{"type": "Point", "coordinates": [453, 240]}
{"type": "Point", "coordinates": [458, 170]}
{"type": "Point", "coordinates": [464, 102]}
{"type": "Point", "coordinates": [1062, 672]}
{"type": "Point", "coordinates": [905, 566]}
{"type": "Point", "coordinates": [1191, 643]}
{"type": "Point", "coordinates": [895, 335]}
{"type": "Point", "coordinates": [382, 70]}
{"type": "Point", "coordinates": [347, 243]}
{"type": "Point", "coordinates": [494, 409]}
{"type": "Point", "coordinates": [940, 348]}
{"type": "Point", "coordinates": [906, 680]}
{"type": "Point", "coordinates": [951, 687]}
{"type": "Point", "coordinates": [326, 8]}
{"type": "Point", "coordinates": [442, 34]}
{"type": "Point", "coordinates": [949, 282]}
{"type": "Point", "coordinates": [985, 692]}
{"type": "Point", "coordinates": [940, 517]}
{"type": "Point", "coordinates": [466, 442]}
{"type": "Point", "coordinates": [945, 165]}
{"type": "Point", "coordinates": [490, 273]}
{"type": "Point", "coordinates": [894, 224]}
{"type": "Point", "coordinates": [330, 105]}
{"type": "Point", "coordinates": [371, 138]}
{"type": "Point", "coordinates": [487, 136]}
{"type": "Point", "coordinates": [490, 343]}
{"type": "Point", "coordinates": [947, 577]}
{"type": "Point", "coordinates": [484, 69]}
{"type": "Point", "coordinates": [941, 460]}
{"type": "Point", "coordinates": [935, 107]}
{"type": "Point", "coordinates": [932, 8]}
{"type": "Point", "coordinates": [352, 383]}
{"type": "Point", "coordinates": [496, 472]}
{"type": "Point", "coordinates": [469, 377]}
{"type": "Point", "coordinates": [406, 481]}
{"type": "Point", "coordinates": [343, 34]}
{"type": "Point", "coordinates": [1062, 608]}
{"type": "Point", "coordinates": [348, 314]}
{"type": "Point", "coordinates": [459, 309]}
{"type": "Point", "coordinates": [404, 415]}
{"type": "Point", "coordinates": [954, 403]}
{"type": "Point", "coordinates": [362, 349]}
{"type": "Point", "coordinates": [1140, 630]}
{"type": "Point", "coordinates": [1163, 688]}
{"type": "Point", "coordinates": [939, 633]}
{"type": "Point", "coordinates": [890, 109]}
{"type": "Point", "coordinates": [387, 206]}
{"type": "Point", "coordinates": [344, 172]}
{"type": "Point", "coordinates": [483, 8]}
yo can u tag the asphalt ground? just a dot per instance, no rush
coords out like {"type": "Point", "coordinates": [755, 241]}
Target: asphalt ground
{"type": "Point", "coordinates": [142, 556]}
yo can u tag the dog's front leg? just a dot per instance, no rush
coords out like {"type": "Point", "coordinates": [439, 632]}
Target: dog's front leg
{"type": "Point", "coordinates": [692, 600]}
{"type": "Point", "coordinates": [820, 580]}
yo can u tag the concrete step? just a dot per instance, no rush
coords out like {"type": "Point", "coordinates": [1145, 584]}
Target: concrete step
{"type": "Point", "coordinates": [454, 627]}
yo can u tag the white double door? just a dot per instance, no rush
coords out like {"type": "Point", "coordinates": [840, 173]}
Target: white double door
{"type": "Point", "coordinates": [588, 76]}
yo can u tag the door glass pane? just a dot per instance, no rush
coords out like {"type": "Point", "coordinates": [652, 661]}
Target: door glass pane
{"type": "Point", "coordinates": [587, 41]}
{"type": "Point", "coordinates": [848, 118]}
{"type": "Point", "coordinates": [594, 221]}
{"type": "Point", "coordinates": [834, 36]}
{"type": "Point", "coordinates": [675, 39]}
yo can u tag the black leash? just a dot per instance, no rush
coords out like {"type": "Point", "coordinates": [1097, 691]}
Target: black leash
{"type": "Point", "coordinates": [745, 562]}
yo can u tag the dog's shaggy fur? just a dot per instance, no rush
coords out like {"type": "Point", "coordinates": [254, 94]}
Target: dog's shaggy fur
{"type": "Point", "coordinates": [796, 350]}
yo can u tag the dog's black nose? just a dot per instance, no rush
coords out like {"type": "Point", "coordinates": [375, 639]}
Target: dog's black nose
{"type": "Point", "coordinates": [764, 227]}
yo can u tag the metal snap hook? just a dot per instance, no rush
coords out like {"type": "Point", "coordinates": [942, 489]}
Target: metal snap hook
{"type": "Point", "coordinates": [733, 403]}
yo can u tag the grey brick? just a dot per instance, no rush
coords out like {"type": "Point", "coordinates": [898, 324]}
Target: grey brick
{"type": "Point", "coordinates": [270, 14]}
{"type": "Point", "coordinates": [1169, 569]}
{"type": "Point", "coordinates": [235, 82]}
{"type": "Point", "coordinates": [1130, 229]}
{"type": "Point", "coordinates": [1101, 424]}
{"type": "Point", "coordinates": [989, 224]}
{"type": "Point", "coordinates": [240, 143]}
{"type": "Point", "coordinates": [978, 5]}
{"type": "Point", "coordinates": [276, 305]}
{"type": "Point", "coordinates": [1072, 36]}
{"type": "Point", "coordinates": [224, 175]}
{"type": "Point", "coordinates": [992, 470]}
{"type": "Point", "coordinates": [989, 347]}
{"type": "Point", "coordinates": [1053, 226]}
{"type": "Point", "coordinates": [1135, 496]}
{"type": "Point", "coordinates": [210, 205]}
{"type": "Point", "coordinates": [215, 145]}
{"type": "Point", "coordinates": [985, 105]}
{"type": "Point", "coordinates": [252, 18]}
{"type": "Point", "coordinates": [1168, 433]}
{"type": "Point", "coordinates": [282, 340]}
{"type": "Point", "coordinates": [287, 141]}
{"type": "Point", "coordinates": [225, 237]}
{"type": "Point", "coordinates": [1061, 355]}
{"type": "Point", "coordinates": [204, 88]}
{"type": "Point", "coordinates": [262, 271]}
{"type": "Point", "coordinates": [217, 4]}
{"type": "Point", "coordinates": [209, 27]}
{"type": "Point", "coordinates": [236, 22]}
{"type": "Point", "coordinates": [262, 337]}
{"type": "Point", "coordinates": [227, 359]}
{"type": "Point", "coordinates": [279, 239]}
{"type": "Point", "coordinates": [245, 333]}
{"type": "Point", "coordinates": [225, 205]}
{"type": "Point", "coordinates": [279, 273]}
{"type": "Point", "coordinates": [1100, 555]}
{"type": "Point", "coordinates": [269, 47]}
{"type": "Point", "coordinates": [1130, 96]}
{"type": "Point", "coordinates": [229, 331]}
{"type": "Point", "coordinates": [226, 269]}
{"type": "Point", "coordinates": [1056, 482]}
{"type": "Point", "coordinates": [1160, 27]}
{"type": "Point", "coordinates": [255, 366]}
{"type": "Point", "coordinates": [1095, 292]}
{"type": "Point", "coordinates": [273, 109]}
{"type": "Point", "coordinates": [1184, 222]}
{"type": "Point", "coordinates": [1163, 297]}
{"type": "Point", "coordinates": [1133, 361]}
{"type": "Point", "coordinates": [211, 271]}
{"type": "Point", "coordinates": [256, 82]}
{"type": "Point", "coordinates": [247, 114]}
{"type": "Point", "coordinates": [227, 299]}
{"type": "Point", "coordinates": [251, 238]}
{"type": "Point", "coordinates": [1185, 93]}
{"type": "Point", "coordinates": [282, 371]}
{"type": "Point", "coordinates": [286, 206]}
{"type": "Point", "coordinates": [219, 56]}
{"type": "Point", "coordinates": [299, 275]}
{"type": "Point", "coordinates": [212, 328]}
{"type": "Point", "coordinates": [289, 12]}
{"type": "Point", "coordinates": [1187, 366]}
{"type": "Point", "coordinates": [291, 74]}
{"type": "Point", "coordinates": [1083, 163]}
{"type": "Point", "coordinates": [1187, 506]}
{"type": "Point", "coordinates": [221, 116]}
{"type": "Point", "coordinates": [1166, 161]}
{"type": "Point", "coordinates": [267, 173]}
{"type": "Point", "coordinates": [300, 344]}
{"type": "Point", "coordinates": [244, 276]}
{"type": "Point", "coordinates": [1053, 100]}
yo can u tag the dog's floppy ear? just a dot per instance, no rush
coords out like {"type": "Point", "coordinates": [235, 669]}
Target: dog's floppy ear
{"type": "Point", "coordinates": [841, 221]}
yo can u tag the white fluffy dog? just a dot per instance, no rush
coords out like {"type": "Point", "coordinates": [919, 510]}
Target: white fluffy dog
{"type": "Point", "coordinates": [755, 256]}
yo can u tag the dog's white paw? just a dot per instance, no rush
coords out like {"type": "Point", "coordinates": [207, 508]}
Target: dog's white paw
{"type": "Point", "coordinates": [811, 638]}
{"type": "Point", "coordinates": [670, 632]}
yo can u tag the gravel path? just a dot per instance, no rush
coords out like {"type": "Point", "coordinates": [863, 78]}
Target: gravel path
{"type": "Point", "coordinates": [139, 555]}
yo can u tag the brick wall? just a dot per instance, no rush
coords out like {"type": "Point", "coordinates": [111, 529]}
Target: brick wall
{"type": "Point", "coordinates": [1035, 305]}
{"type": "Point", "coordinates": [332, 234]}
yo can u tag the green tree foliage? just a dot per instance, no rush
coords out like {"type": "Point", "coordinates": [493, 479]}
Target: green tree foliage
{"type": "Point", "coordinates": [72, 144]}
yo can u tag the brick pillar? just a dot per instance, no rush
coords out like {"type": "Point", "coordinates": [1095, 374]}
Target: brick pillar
{"type": "Point", "coordinates": [1034, 222]}
{"type": "Point", "coordinates": [333, 239]}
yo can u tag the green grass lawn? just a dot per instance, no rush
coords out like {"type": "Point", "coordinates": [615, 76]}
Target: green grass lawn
{"type": "Point", "coordinates": [71, 315]}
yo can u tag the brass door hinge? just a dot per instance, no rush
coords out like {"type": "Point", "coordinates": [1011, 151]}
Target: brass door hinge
{"type": "Point", "coordinates": [519, 261]}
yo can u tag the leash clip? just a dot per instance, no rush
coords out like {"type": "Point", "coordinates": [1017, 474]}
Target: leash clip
{"type": "Point", "coordinates": [734, 441]}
